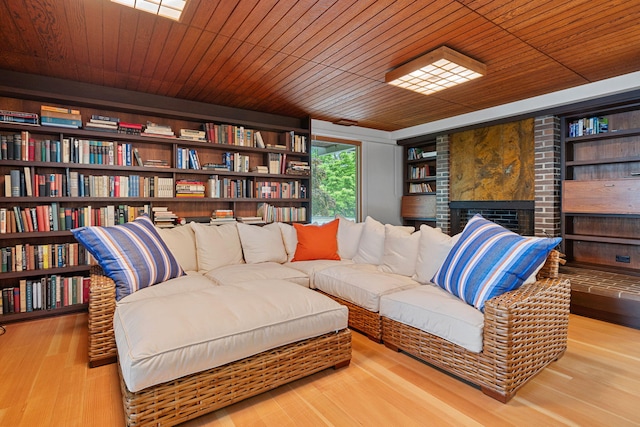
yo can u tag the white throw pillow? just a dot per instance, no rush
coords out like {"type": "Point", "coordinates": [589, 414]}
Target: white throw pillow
{"type": "Point", "coordinates": [371, 246]}
{"type": "Point", "coordinates": [262, 244]}
{"type": "Point", "coordinates": [349, 233]}
{"type": "Point", "coordinates": [290, 238]}
{"type": "Point", "coordinates": [433, 248]}
{"type": "Point", "coordinates": [400, 251]}
{"type": "Point", "coordinates": [181, 241]}
{"type": "Point", "coordinates": [217, 246]}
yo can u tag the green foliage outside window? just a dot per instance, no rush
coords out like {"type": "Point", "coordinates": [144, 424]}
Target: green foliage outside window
{"type": "Point", "coordinates": [334, 184]}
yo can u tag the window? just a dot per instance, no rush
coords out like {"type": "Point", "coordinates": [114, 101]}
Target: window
{"type": "Point", "coordinates": [335, 166]}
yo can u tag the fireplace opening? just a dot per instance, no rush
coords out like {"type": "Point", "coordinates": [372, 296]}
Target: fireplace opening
{"type": "Point", "coordinates": [516, 216]}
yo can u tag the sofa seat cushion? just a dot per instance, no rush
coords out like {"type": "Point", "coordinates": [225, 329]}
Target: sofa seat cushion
{"type": "Point", "coordinates": [360, 284]}
{"type": "Point", "coordinates": [434, 310]}
{"type": "Point", "coordinates": [214, 326]}
{"type": "Point", "coordinates": [310, 268]}
{"type": "Point", "coordinates": [232, 274]}
{"type": "Point", "coordinates": [187, 283]}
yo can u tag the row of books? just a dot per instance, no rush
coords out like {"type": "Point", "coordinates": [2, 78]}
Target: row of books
{"type": "Point", "coordinates": [212, 132]}
{"type": "Point", "coordinates": [420, 187]}
{"type": "Point", "coordinates": [418, 172]}
{"type": "Point", "coordinates": [46, 293]}
{"type": "Point", "coordinates": [27, 257]}
{"type": "Point", "coordinates": [187, 159]}
{"type": "Point", "coordinates": [25, 183]}
{"type": "Point", "coordinates": [239, 135]}
{"type": "Point", "coordinates": [232, 135]}
{"type": "Point", "coordinates": [416, 153]}
{"type": "Point", "coordinates": [229, 188]}
{"type": "Point", "coordinates": [272, 213]}
{"type": "Point", "coordinates": [588, 126]}
{"type": "Point", "coordinates": [53, 217]}
{"type": "Point", "coordinates": [70, 150]}
{"type": "Point", "coordinates": [280, 190]}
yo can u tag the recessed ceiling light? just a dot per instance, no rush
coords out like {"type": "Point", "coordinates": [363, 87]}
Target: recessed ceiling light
{"type": "Point", "coordinates": [435, 71]}
{"type": "Point", "coordinates": [171, 9]}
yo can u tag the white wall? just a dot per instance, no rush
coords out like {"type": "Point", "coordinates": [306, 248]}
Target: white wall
{"type": "Point", "coordinates": [381, 168]}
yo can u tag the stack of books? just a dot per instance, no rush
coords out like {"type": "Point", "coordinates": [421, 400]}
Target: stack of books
{"type": "Point", "coordinates": [130, 128]}
{"type": "Point", "coordinates": [60, 117]}
{"type": "Point", "coordinates": [193, 135]}
{"type": "Point", "coordinates": [18, 117]}
{"type": "Point", "coordinates": [221, 216]}
{"type": "Point", "coordinates": [295, 167]}
{"type": "Point", "coordinates": [251, 219]}
{"type": "Point", "coordinates": [163, 217]}
{"type": "Point", "coordinates": [189, 188]}
{"type": "Point", "coordinates": [156, 130]}
{"type": "Point", "coordinates": [102, 123]}
{"type": "Point", "coordinates": [156, 163]}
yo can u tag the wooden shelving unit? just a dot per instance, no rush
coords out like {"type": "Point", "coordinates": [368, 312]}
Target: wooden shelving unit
{"type": "Point", "coordinates": [275, 130]}
{"type": "Point", "coordinates": [419, 182]}
{"type": "Point", "coordinates": [601, 188]}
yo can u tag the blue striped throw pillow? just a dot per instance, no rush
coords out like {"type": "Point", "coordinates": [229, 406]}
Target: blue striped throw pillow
{"type": "Point", "coordinates": [132, 254]}
{"type": "Point", "coordinates": [490, 260]}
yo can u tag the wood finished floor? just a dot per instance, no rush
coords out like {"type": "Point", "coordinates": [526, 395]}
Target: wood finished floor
{"type": "Point", "coordinates": [45, 381]}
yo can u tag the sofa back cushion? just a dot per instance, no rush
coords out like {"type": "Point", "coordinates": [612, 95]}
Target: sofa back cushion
{"type": "Point", "coordinates": [349, 233]}
{"type": "Point", "coordinates": [490, 260]}
{"type": "Point", "coordinates": [132, 254]}
{"type": "Point", "coordinates": [217, 246]}
{"type": "Point", "coordinates": [433, 248]}
{"type": "Point", "coordinates": [317, 241]}
{"type": "Point", "coordinates": [371, 246]}
{"type": "Point", "coordinates": [400, 251]}
{"type": "Point", "coordinates": [262, 244]}
{"type": "Point", "coordinates": [290, 238]}
{"type": "Point", "coordinates": [181, 241]}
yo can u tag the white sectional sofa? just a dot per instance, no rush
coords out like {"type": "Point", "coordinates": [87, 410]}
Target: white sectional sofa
{"type": "Point", "coordinates": [251, 291]}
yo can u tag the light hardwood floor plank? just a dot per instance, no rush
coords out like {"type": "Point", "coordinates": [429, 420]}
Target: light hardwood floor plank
{"type": "Point", "coordinates": [45, 381]}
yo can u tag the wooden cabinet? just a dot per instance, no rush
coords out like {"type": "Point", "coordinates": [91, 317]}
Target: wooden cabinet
{"type": "Point", "coordinates": [65, 177]}
{"type": "Point", "coordinates": [601, 188]}
{"type": "Point", "coordinates": [419, 183]}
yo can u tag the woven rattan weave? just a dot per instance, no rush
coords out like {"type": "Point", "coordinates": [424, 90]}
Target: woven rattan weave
{"type": "Point", "coordinates": [524, 331]}
{"type": "Point", "coordinates": [191, 396]}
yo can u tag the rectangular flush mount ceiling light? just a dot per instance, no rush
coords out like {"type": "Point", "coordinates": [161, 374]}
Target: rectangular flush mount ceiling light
{"type": "Point", "coordinates": [168, 8]}
{"type": "Point", "coordinates": [436, 70]}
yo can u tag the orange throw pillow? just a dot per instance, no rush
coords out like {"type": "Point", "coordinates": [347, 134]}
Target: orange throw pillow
{"type": "Point", "coordinates": [317, 241]}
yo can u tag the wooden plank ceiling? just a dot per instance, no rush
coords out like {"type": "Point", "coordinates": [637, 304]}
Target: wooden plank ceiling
{"type": "Point", "coordinates": [325, 58]}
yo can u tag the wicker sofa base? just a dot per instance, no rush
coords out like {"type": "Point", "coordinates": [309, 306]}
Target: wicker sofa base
{"type": "Point", "coordinates": [524, 331]}
{"type": "Point", "coordinates": [102, 304]}
{"type": "Point", "coordinates": [361, 319]}
{"type": "Point", "coordinates": [194, 395]}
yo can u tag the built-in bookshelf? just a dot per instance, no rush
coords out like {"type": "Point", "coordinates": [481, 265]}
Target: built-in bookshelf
{"type": "Point", "coordinates": [601, 188]}
{"type": "Point", "coordinates": [106, 164]}
{"type": "Point", "coordinates": [419, 183]}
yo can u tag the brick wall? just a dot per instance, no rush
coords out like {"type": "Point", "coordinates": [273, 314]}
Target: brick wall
{"type": "Point", "coordinates": [547, 173]}
{"type": "Point", "coordinates": [546, 220]}
{"type": "Point", "coordinates": [443, 216]}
